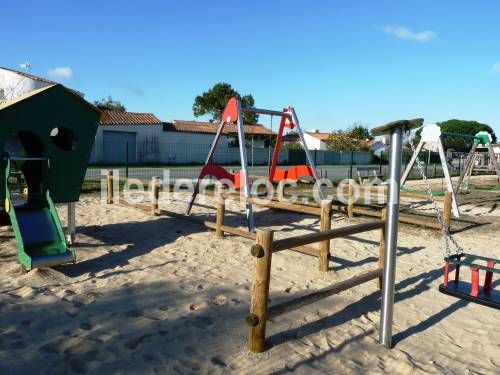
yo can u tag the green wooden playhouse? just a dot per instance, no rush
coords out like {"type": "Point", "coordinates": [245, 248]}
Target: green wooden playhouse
{"type": "Point", "coordinates": [46, 137]}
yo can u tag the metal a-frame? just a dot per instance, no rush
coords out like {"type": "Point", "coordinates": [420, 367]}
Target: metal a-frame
{"type": "Point", "coordinates": [431, 138]}
{"type": "Point", "coordinates": [233, 113]}
{"type": "Point", "coordinates": [480, 139]}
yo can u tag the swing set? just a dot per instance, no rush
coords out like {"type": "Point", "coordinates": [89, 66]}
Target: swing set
{"type": "Point", "coordinates": [472, 291]}
{"type": "Point", "coordinates": [233, 114]}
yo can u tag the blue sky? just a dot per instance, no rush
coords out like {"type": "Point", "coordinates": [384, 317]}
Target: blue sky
{"type": "Point", "coordinates": [336, 62]}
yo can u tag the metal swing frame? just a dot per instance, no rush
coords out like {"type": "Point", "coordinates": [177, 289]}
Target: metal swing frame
{"type": "Point", "coordinates": [444, 165]}
{"type": "Point", "coordinates": [470, 160]}
{"type": "Point", "coordinates": [472, 292]}
{"type": "Point", "coordinates": [233, 113]}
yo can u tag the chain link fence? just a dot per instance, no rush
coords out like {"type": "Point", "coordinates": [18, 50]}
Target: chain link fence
{"type": "Point", "coordinates": [185, 162]}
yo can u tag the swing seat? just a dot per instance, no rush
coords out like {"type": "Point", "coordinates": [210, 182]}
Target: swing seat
{"type": "Point", "coordinates": [293, 173]}
{"type": "Point", "coordinates": [472, 291]}
{"type": "Point", "coordinates": [236, 180]}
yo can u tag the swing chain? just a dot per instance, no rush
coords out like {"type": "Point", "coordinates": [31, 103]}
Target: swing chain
{"type": "Point", "coordinates": [447, 236]}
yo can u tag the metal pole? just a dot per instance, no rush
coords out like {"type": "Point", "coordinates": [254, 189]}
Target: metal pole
{"type": "Point", "coordinates": [126, 159]}
{"type": "Point", "coordinates": [352, 161]}
{"type": "Point", "coordinates": [380, 163]}
{"type": "Point", "coordinates": [265, 111]}
{"type": "Point", "coordinates": [71, 229]}
{"type": "Point", "coordinates": [244, 165]}
{"type": "Point", "coordinates": [391, 228]}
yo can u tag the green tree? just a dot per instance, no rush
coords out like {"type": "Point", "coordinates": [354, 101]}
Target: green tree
{"type": "Point", "coordinates": [341, 140]}
{"type": "Point", "coordinates": [213, 102]}
{"type": "Point", "coordinates": [352, 139]}
{"type": "Point", "coordinates": [358, 131]}
{"type": "Point", "coordinates": [110, 105]}
{"type": "Point", "coordinates": [466, 127]}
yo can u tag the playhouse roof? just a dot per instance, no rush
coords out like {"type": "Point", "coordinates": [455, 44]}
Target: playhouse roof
{"type": "Point", "coordinates": [33, 93]}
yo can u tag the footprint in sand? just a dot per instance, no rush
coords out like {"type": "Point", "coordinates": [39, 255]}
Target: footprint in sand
{"type": "Point", "coordinates": [201, 322]}
{"type": "Point", "coordinates": [218, 362]}
{"type": "Point", "coordinates": [86, 326]}
{"type": "Point", "coordinates": [72, 311]}
{"type": "Point", "coordinates": [219, 300]}
{"type": "Point", "coordinates": [84, 299]}
{"type": "Point", "coordinates": [198, 306]}
{"type": "Point", "coordinates": [55, 346]}
{"type": "Point", "coordinates": [135, 313]}
{"type": "Point", "coordinates": [135, 343]}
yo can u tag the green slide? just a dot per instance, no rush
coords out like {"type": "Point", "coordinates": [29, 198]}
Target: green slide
{"type": "Point", "coordinates": [38, 231]}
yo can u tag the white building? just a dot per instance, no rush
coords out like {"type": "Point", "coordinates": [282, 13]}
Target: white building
{"type": "Point", "coordinates": [143, 138]}
{"type": "Point", "coordinates": [315, 140]}
{"type": "Point", "coordinates": [14, 83]}
{"type": "Point", "coordinates": [123, 136]}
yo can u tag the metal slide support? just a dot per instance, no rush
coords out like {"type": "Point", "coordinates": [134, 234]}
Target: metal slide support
{"type": "Point", "coordinates": [244, 168]}
{"type": "Point", "coordinates": [494, 160]}
{"type": "Point", "coordinates": [391, 229]}
{"type": "Point", "coordinates": [413, 159]}
{"type": "Point", "coordinates": [467, 164]}
{"type": "Point", "coordinates": [310, 160]}
{"type": "Point", "coordinates": [264, 111]}
{"type": "Point", "coordinates": [447, 177]}
{"type": "Point", "coordinates": [71, 228]}
{"type": "Point", "coordinates": [208, 161]}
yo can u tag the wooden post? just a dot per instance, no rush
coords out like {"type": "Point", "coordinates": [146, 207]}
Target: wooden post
{"type": "Point", "coordinates": [110, 187]}
{"type": "Point", "coordinates": [448, 198]}
{"type": "Point", "coordinates": [350, 202]}
{"type": "Point", "coordinates": [219, 222]}
{"type": "Point", "coordinates": [155, 188]}
{"type": "Point", "coordinates": [325, 225]}
{"type": "Point", "coordinates": [262, 251]}
{"type": "Point", "coordinates": [381, 251]}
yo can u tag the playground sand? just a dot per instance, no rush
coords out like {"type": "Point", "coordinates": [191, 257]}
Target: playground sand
{"type": "Point", "coordinates": [159, 295]}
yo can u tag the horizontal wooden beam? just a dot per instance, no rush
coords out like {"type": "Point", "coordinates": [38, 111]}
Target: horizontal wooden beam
{"type": "Point", "coordinates": [307, 239]}
{"type": "Point", "coordinates": [308, 250]}
{"type": "Point", "coordinates": [307, 299]}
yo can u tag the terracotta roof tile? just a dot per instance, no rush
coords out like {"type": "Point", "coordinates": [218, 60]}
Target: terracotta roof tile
{"type": "Point", "coordinates": [320, 136]}
{"type": "Point", "coordinates": [211, 128]}
{"type": "Point", "coordinates": [129, 118]}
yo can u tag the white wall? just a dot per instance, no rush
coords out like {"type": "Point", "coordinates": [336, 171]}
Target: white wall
{"type": "Point", "coordinates": [156, 145]}
{"type": "Point", "coordinates": [314, 143]}
{"type": "Point", "coordinates": [14, 85]}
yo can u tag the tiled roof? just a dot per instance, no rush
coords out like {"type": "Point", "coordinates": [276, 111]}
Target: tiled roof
{"type": "Point", "coordinates": [31, 76]}
{"type": "Point", "coordinates": [129, 118]}
{"type": "Point", "coordinates": [320, 136]}
{"type": "Point", "coordinates": [211, 128]}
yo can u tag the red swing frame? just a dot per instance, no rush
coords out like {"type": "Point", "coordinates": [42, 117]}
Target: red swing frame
{"type": "Point", "coordinates": [292, 173]}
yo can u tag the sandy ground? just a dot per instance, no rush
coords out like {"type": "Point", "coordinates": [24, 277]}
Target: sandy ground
{"type": "Point", "coordinates": [159, 295]}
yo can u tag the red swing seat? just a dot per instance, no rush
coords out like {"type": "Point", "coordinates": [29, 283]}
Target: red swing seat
{"type": "Point", "coordinates": [472, 291]}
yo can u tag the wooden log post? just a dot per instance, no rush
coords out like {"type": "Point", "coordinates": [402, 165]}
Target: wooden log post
{"type": "Point", "coordinates": [219, 221]}
{"type": "Point", "coordinates": [447, 209]}
{"type": "Point", "coordinates": [381, 251]}
{"type": "Point", "coordinates": [110, 187]}
{"type": "Point", "coordinates": [325, 225]}
{"type": "Point", "coordinates": [256, 320]}
{"type": "Point", "coordinates": [155, 190]}
{"type": "Point", "coordinates": [350, 200]}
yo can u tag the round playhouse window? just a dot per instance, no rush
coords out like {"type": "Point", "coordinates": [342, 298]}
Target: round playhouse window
{"type": "Point", "coordinates": [64, 138]}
